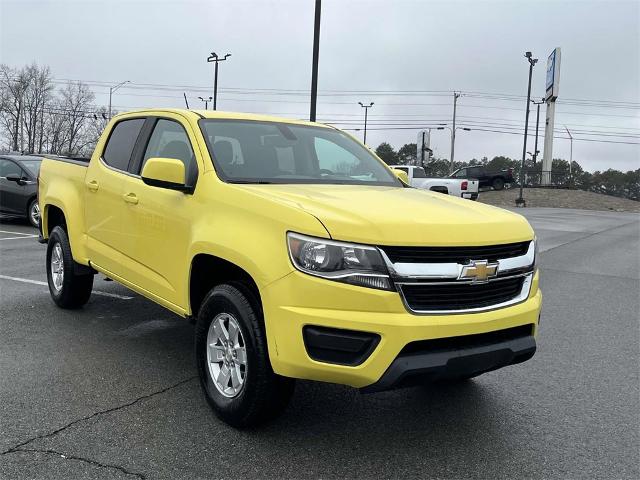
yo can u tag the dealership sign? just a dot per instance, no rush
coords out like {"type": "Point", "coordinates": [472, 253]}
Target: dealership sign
{"type": "Point", "coordinates": [553, 75]}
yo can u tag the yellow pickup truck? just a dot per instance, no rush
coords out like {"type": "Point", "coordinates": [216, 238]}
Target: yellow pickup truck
{"type": "Point", "coordinates": [297, 253]}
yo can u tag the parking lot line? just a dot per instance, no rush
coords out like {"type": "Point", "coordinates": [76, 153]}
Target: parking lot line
{"type": "Point", "coordinates": [24, 237]}
{"type": "Point", "coordinates": [18, 233]}
{"type": "Point", "coordinates": [38, 282]}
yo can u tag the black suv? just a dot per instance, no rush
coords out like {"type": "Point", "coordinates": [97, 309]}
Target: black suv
{"type": "Point", "coordinates": [486, 177]}
{"type": "Point", "coordinates": [18, 187]}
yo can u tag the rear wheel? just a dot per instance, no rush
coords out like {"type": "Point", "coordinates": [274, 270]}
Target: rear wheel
{"type": "Point", "coordinates": [498, 184]}
{"type": "Point", "coordinates": [233, 361]}
{"type": "Point", "coordinates": [33, 212]}
{"type": "Point", "coordinates": [68, 289]}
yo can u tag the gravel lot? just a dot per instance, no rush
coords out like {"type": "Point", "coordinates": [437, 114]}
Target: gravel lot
{"type": "Point", "coordinates": [109, 391]}
{"type": "Point", "coordinates": [559, 198]}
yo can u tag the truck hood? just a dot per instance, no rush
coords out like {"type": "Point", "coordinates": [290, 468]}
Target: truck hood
{"type": "Point", "coordinates": [399, 216]}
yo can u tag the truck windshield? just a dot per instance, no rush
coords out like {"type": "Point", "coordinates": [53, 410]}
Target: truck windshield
{"type": "Point", "coordinates": [246, 151]}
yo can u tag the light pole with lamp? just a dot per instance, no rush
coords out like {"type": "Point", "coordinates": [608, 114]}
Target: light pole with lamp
{"type": "Point", "coordinates": [214, 58]}
{"type": "Point", "coordinates": [113, 89]}
{"type": "Point", "coordinates": [206, 102]}
{"type": "Point", "coordinates": [453, 139]}
{"type": "Point", "coordinates": [366, 111]}
{"type": "Point", "coordinates": [532, 61]}
{"type": "Point", "coordinates": [570, 156]}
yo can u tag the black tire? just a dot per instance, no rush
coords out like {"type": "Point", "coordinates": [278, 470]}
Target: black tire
{"type": "Point", "coordinates": [498, 184]}
{"type": "Point", "coordinates": [33, 221]}
{"type": "Point", "coordinates": [263, 395]}
{"type": "Point", "coordinates": [75, 289]}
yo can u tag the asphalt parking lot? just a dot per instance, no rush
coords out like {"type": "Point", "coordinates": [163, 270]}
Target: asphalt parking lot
{"type": "Point", "coordinates": [110, 391]}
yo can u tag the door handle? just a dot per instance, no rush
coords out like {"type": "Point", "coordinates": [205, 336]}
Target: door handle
{"type": "Point", "coordinates": [93, 185]}
{"type": "Point", "coordinates": [130, 198]}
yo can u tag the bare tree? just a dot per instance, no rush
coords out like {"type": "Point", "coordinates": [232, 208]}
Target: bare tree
{"type": "Point", "coordinates": [13, 84]}
{"type": "Point", "coordinates": [36, 95]}
{"type": "Point", "coordinates": [76, 103]}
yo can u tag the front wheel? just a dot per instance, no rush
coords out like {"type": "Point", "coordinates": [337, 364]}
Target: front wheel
{"type": "Point", "coordinates": [68, 289]}
{"type": "Point", "coordinates": [233, 361]}
{"type": "Point", "coordinates": [498, 184]}
{"type": "Point", "coordinates": [33, 213]}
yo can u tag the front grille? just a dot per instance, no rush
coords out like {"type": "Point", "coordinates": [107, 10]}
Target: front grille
{"type": "Point", "coordinates": [455, 254]}
{"type": "Point", "coordinates": [461, 296]}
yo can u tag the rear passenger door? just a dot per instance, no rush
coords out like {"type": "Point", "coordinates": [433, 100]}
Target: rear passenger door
{"type": "Point", "coordinates": [104, 200]}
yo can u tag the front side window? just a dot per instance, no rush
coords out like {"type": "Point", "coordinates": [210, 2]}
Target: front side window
{"type": "Point", "coordinates": [246, 151]}
{"type": "Point", "coordinates": [169, 140]}
{"type": "Point", "coordinates": [117, 153]}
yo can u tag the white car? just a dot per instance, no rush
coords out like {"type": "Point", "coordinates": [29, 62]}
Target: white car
{"type": "Point", "coordinates": [458, 187]}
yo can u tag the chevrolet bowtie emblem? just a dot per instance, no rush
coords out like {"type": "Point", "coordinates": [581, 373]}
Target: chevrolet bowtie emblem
{"type": "Point", "coordinates": [479, 271]}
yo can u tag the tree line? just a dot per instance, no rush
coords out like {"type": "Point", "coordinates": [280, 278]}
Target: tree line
{"type": "Point", "coordinates": [609, 182]}
{"type": "Point", "coordinates": [37, 117]}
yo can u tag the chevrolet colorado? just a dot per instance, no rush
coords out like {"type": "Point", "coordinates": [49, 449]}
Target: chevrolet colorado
{"type": "Point", "coordinates": [296, 252]}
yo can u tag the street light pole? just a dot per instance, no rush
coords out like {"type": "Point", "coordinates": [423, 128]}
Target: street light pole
{"type": "Point", "coordinates": [535, 149]}
{"type": "Point", "coordinates": [532, 62]}
{"type": "Point", "coordinates": [113, 89]}
{"type": "Point", "coordinates": [453, 130]}
{"type": "Point", "coordinates": [314, 61]}
{"type": "Point", "coordinates": [206, 102]}
{"type": "Point", "coordinates": [214, 58]}
{"type": "Point", "coordinates": [570, 154]}
{"type": "Point", "coordinates": [366, 111]}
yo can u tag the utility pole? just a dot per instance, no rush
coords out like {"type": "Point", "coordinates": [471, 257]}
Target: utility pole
{"type": "Point", "coordinates": [186, 102]}
{"type": "Point", "coordinates": [366, 110]}
{"type": "Point", "coordinates": [113, 89]}
{"type": "Point", "coordinates": [214, 58]}
{"type": "Point", "coordinates": [314, 64]}
{"type": "Point", "coordinates": [532, 61]}
{"type": "Point", "coordinates": [456, 95]}
{"type": "Point", "coordinates": [535, 148]}
{"type": "Point", "coordinates": [206, 102]}
{"type": "Point", "coordinates": [570, 155]}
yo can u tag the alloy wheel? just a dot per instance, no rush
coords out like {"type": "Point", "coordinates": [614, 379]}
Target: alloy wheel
{"type": "Point", "coordinates": [226, 355]}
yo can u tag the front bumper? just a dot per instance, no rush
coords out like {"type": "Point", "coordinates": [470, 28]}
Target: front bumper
{"type": "Point", "coordinates": [298, 300]}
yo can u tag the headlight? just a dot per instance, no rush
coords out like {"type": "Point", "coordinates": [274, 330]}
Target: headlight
{"type": "Point", "coordinates": [343, 262]}
{"type": "Point", "coordinates": [535, 253]}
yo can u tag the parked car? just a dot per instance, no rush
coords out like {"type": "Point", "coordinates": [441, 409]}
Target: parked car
{"type": "Point", "coordinates": [18, 188]}
{"type": "Point", "coordinates": [487, 178]}
{"type": "Point", "coordinates": [461, 188]}
{"type": "Point", "coordinates": [297, 253]}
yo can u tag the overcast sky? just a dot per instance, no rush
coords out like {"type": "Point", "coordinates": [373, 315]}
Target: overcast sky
{"type": "Point", "coordinates": [406, 56]}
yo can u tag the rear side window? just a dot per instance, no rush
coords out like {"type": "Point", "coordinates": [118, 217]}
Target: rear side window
{"type": "Point", "coordinates": [120, 145]}
{"type": "Point", "coordinates": [419, 173]}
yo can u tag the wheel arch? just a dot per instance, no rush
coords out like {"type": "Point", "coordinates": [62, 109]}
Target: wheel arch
{"type": "Point", "coordinates": [207, 270]}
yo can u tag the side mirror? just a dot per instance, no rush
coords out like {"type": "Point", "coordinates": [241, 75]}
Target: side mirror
{"type": "Point", "coordinates": [401, 174]}
{"type": "Point", "coordinates": [165, 173]}
{"type": "Point", "coordinates": [14, 177]}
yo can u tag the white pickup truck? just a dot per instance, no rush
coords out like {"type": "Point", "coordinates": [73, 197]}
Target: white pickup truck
{"type": "Point", "coordinates": [457, 187]}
